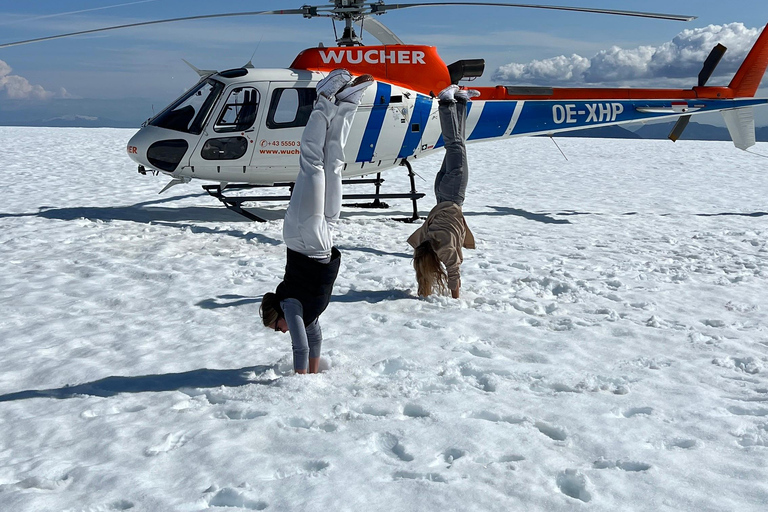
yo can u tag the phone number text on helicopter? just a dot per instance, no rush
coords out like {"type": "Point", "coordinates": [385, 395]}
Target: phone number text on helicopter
{"type": "Point", "coordinates": [280, 143]}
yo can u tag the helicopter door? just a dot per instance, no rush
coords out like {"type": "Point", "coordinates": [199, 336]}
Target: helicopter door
{"type": "Point", "coordinates": [227, 143]}
{"type": "Point", "coordinates": [279, 138]}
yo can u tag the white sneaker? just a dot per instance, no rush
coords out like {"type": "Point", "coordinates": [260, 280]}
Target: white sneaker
{"type": "Point", "coordinates": [466, 94]}
{"type": "Point", "coordinates": [335, 80]}
{"type": "Point", "coordinates": [353, 91]}
{"type": "Point", "coordinates": [448, 93]}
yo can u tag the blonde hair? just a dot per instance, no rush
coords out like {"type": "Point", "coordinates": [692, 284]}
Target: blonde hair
{"type": "Point", "coordinates": [430, 274]}
{"type": "Point", "coordinates": [270, 309]}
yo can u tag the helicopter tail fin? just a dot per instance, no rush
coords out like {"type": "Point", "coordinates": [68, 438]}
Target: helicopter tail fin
{"type": "Point", "coordinates": [741, 126]}
{"type": "Point", "coordinates": [750, 74]}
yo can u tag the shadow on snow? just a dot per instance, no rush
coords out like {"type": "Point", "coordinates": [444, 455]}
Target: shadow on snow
{"type": "Point", "coordinates": [548, 217]}
{"type": "Point", "coordinates": [369, 296]}
{"type": "Point", "coordinates": [110, 386]}
{"type": "Point", "coordinates": [141, 212]}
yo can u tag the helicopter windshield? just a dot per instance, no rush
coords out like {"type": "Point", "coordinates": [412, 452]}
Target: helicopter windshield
{"type": "Point", "coordinates": [189, 113]}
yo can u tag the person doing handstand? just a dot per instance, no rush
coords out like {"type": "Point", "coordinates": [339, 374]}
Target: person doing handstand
{"type": "Point", "coordinates": [312, 262]}
{"type": "Point", "coordinates": [438, 242]}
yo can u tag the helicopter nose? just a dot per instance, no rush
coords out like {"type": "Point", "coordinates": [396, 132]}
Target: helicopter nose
{"type": "Point", "coordinates": [157, 149]}
{"type": "Point", "coordinates": [136, 150]}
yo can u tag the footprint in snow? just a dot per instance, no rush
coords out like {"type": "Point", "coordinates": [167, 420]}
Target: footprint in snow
{"type": "Point", "coordinates": [424, 324]}
{"type": "Point", "coordinates": [637, 411]}
{"type": "Point", "coordinates": [750, 365]}
{"type": "Point", "coordinates": [574, 484]}
{"type": "Point", "coordinates": [39, 483]}
{"type": "Point", "coordinates": [485, 381]}
{"type": "Point", "coordinates": [494, 417]}
{"type": "Point", "coordinates": [229, 497]}
{"type": "Point", "coordinates": [389, 445]}
{"type": "Point", "coordinates": [743, 411]}
{"type": "Point", "coordinates": [451, 455]}
{"type": "Point", "coordinates": [409, 475]}
{"type": "Point", "coordinates": [392, 366]}
{"type": "Point", "coordinates": [169, 443]}
{"type": "Point", "coordinates": [481, 352]}
{"type": "Point", "coordinates": [372, 410]}
{"type": "Point", "coordinates": [415, 411]}
{"type": "Point", "coordinates": [757, 436]}
{"type": "Point", "coordinates": [551, 431]}
{"type": "Point", "coordinates": [680, 443]}
{"type": "Point", "coordinates": [624, 465]}
{"type": "Point", "coordinates": [121, 505]}
{"type": "Point", "coordinates": [303, 423]}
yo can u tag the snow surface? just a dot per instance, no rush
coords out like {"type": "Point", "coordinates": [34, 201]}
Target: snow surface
{"type": "Point", "coordinates": [609, 351]}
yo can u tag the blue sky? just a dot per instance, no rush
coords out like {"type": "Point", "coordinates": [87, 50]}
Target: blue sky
{"type": "Point", "coordinates": [521, 46]}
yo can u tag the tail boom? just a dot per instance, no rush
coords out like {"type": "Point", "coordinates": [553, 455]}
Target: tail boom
{"type": "Point", "coordinates": [747, 79]}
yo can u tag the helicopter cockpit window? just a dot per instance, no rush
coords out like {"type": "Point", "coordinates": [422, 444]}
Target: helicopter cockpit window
{"type": "Point", "coordinates": [290, 107]}
{"type": "Point", "coordinates": [239, 112]}
{"type": "Point", "coordinates": [189, 113]}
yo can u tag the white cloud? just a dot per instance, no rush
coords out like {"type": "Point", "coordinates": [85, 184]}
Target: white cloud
{"type": "Point", "coordinates": [675, 63]}
{"type": "Point", "coordinates": [18, 88]}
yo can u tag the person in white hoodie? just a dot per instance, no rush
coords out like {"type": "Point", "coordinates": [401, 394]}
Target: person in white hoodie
{"type": "Point", "coordinates": [312, 262]}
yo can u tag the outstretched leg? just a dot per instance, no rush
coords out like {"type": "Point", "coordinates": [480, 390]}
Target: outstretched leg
{"type": "Point", "coordinates": [305, 229]}
{"type": "Point", "coordinates": [347, 100]}
{"type": "Point", "coordinates": [335, 139]}
{"type": "Point", "coordinates": [451, 182]}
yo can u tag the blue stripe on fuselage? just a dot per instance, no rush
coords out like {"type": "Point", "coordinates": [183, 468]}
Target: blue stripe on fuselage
{"type": "Point", "coordinates": [421, 110]}
{"type": "Point", "coordinates": [494, 120]}
{"type": "Point", "coordinates": [375, 122]}
{"type": "Point", "coordinates": [440, 142]}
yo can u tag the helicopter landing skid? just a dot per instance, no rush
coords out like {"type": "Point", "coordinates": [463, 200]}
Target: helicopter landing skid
{"type": "Point", "coordinates": [235, 203]}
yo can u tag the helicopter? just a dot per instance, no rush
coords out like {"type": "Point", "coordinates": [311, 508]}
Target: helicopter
{"type": "Point", "coordinates": [241, 128]}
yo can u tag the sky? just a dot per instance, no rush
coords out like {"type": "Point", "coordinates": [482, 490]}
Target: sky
{"type": "Point", "coordinates": [521, 46]}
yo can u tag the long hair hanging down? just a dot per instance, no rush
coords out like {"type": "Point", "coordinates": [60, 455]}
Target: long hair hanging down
{"type": "Point", "coordinates": [270, 309]}
{"type": "Point", "coordinates": [429, 271]}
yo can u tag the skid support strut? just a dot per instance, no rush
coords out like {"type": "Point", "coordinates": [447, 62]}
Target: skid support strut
{"type": "Point", "coordinates": [235, 203]}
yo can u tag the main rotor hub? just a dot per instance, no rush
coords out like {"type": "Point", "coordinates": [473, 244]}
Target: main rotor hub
{"type": "Point", "coordinates": [347, 11]}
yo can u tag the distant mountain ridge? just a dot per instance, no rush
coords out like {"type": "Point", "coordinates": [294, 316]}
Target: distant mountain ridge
{"type": "Point", "coordinates": [76, 113]}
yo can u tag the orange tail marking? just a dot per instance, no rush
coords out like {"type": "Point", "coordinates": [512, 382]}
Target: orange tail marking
{"type": "Point", "coordinates": [750, 74]}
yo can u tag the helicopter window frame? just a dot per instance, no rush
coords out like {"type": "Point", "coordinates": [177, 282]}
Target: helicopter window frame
{"type": "Point", "coordinates": [172, 119]}
{"type": "Point", "coordinates": [305, 100]}
{"type": "Point", "coordinates": [245, 109]}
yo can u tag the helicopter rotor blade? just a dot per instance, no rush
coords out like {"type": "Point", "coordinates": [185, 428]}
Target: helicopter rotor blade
{"type": "Point", "coordinates": [306, 12]}
{"type": "Point", "coordinates": [711, 63]}
{"type": "Point", "coordinates": [679, 128]}
{"type": "Point", "coordinates": [381, 8]}
{"type": "Point", "coordinates": [381, 32]}
{"type": "Point", "coordinates": [359, 11]}
{"type": "Point", "coordinates": [704, 75]}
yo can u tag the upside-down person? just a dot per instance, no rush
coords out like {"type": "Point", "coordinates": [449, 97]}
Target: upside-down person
{"type": "Point", "coordinates": [312, 261]}
{"type": "Point", "coordinates": [438, 242]}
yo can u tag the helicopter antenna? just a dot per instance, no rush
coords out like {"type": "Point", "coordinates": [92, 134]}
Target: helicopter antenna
{"type": "Point", "coordinates": [250, 61]}
{"type": "Point", "coordinates": [756, 154]}
{"type": "Point", "coordinates": [558, 147]}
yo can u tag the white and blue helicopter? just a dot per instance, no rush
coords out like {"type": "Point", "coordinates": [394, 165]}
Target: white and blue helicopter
{"type": "Point", "coordinates": [241, 128]}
